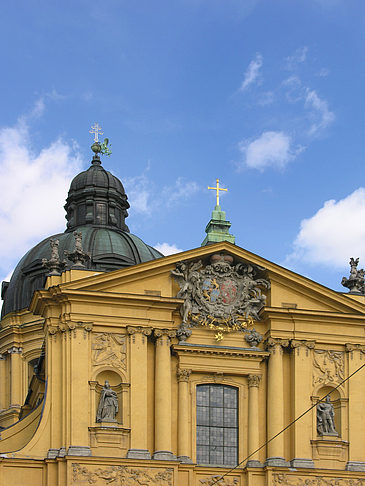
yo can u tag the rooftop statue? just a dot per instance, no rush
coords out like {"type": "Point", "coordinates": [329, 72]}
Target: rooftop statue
{"type": "Point", "coordinates": [356, 282]}
{"type": "Point", "coordinates": [54, 264]}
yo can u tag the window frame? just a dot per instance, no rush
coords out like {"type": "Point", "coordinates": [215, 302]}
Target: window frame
{"type": "Point", "coordinates": [216, 422]}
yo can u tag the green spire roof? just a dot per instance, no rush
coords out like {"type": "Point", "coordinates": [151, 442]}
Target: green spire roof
{"type": "Point", "coordinates": [217, 229]}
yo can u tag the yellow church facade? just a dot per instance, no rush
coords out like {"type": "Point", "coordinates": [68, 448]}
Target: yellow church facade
{"type": "Point", "coordinates": [125, 377]}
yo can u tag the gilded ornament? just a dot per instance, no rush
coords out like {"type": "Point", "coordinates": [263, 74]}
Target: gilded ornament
{"type": "Point", "coordinates": [220, 296]}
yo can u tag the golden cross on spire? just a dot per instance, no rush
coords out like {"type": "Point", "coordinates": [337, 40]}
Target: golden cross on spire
{"type": "Point", "coordinates": [96, 130]}
{"type": "Point", "coordinates": [217, 189]}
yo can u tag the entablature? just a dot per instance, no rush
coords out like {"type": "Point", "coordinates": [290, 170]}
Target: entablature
{"type": "Point", "coordinates": [205, 358]}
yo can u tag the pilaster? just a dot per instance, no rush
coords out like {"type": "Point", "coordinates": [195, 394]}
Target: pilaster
{"type": "Point", "coordinates": [253, 420]}
{"type": "Point", "coordinates": [163, 394]}
{"type": "Point", "coordinates": [3, 403]}
{"type": "Point", "coordinates": [138, 377]}
{"type": "Point", "coordinates": [301, 399]}
{"type": "Point", "coordinates": [16, 376]}
{"type": "Point", "coordinates": [275, 403]}
{"type": "Point", "coordinates": [183, 448]}
{"type": "Point", "coordinates": [356, 357]}
{"type": "Point", "coordinates": [68, 343]}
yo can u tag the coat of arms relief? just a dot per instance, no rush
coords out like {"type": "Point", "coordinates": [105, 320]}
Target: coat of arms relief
{"type": "Point", "coordinates": [223, 295]}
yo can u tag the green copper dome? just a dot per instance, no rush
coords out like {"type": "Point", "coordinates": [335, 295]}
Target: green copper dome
{"type": "Point", "coordinates": [96, 207]}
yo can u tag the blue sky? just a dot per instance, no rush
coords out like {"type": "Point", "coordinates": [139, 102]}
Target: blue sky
{"type": "Point", "coordinates": [266, 96]}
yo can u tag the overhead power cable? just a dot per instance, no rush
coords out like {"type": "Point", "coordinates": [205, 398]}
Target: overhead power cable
{"type": "Point", "coordinates": [287, 427]}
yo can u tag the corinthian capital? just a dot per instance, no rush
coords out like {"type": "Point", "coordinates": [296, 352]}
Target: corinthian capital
{"type": "Point", "coordinates": [146, 331]}
{"type": "Point", "coordinates": [160, 334]}
{"type": "Point", "coordinates": [273, 343]}
{"type": "Point", "coordinates": [253, 380]}
{"type": "Point", "coordinates": [183, 375]}
{"type": "Point", "coordinates": [295, 343]}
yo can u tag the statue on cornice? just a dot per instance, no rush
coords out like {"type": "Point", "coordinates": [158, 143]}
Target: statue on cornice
{"type": "Point", "coordinates": [356, 282]}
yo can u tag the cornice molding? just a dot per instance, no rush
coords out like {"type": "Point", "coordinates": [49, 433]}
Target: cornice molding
{"type": "Point", "coordinates": [246, 353]}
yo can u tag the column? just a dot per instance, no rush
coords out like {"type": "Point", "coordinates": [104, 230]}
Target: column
{"type": "Point", "coordinates": [301, 391]}
{"type": "Point", "coordinates": [163, 395]}
{"type": "Point", "coordinates": [275, 403]}
{"type": "Point", "coordinates": [3, 383]}
{"type": "Point", "coordinates": [138, 379]}
{"type": "Point", "coordinates": [184, 428]}
{"type": "Point", "coordinates": [16, 376]}
{"type": "Point", "coordinates": [356, 408]}
{"type": "Point", "coordinates": [253, 420]}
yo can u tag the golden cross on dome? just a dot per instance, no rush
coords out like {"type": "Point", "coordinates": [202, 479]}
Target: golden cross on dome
{"type": "Point", "coordinates": [96, 130]}
{"type": "Point", "coordinates": [217, 189]}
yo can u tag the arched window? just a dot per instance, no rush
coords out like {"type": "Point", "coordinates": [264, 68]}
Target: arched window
{"type": "Point", "coordinates": [217, 425]}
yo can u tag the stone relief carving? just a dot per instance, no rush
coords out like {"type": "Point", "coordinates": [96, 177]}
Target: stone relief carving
{"type": "Point", "coordinates": [223, 482]}
{"type": "Point", "coordinates": [356, 282]}
{"type": "Point", "coordinates": [121, 475]}
{"type": "Point", "coordinates": [289, 480]}
{"type": "Point", "coordinates": [328, 367]}
{"type": "Point", "coordinates": [109, 349]}
{"type": "Point", "coordinates": [326, 418]}
{"type": "Point", "coordinates": [222, 296]}
{"type": "Point", "coordinates": [108, 404]}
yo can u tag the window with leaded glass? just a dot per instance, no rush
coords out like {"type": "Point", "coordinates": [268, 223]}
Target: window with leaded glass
{"type": "Point", "coordinates": [217, 424]}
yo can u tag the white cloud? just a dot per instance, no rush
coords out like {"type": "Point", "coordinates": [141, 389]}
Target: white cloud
{"type": "Point", "coordinates": [252, 72]}
{"type": "Point", "coordinates": [145, 196]}
{"type": "Point", "coordinates": [167, 249]}
{"type": "Point", "coordinates": [321, 115]}
{"type": "Point", "coordinates": [294, 91]}
{"type": "Point", "coordinates": [33, 188]}
{"type": "Point", "coordinates": [333, 234]}
{"type": "Point", "coordinates": [299, 56]}
{"type": "Point", "coordinates": [323, 72]}
{"type": "Point", "coordinates": [139, 190]}
{"type": "Point", "coordinates": [271, 149]}
{"type": "Point", "coordinates": [266, 98]}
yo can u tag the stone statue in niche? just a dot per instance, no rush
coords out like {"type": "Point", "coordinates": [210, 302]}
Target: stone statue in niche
{"type": "Point", "coordinates": [108, 404]}
{"type": "Point", "coordinates": [326, 418]}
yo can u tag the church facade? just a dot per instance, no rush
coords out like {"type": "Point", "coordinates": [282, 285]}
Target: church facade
{"type": "Point", "coordinates": [212, 366]}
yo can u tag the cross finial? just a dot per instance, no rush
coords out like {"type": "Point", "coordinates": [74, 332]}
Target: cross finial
{"type": "Point", "coordinates": [217, 189]}
{"type": "Point", "coordinates": [96, 130]}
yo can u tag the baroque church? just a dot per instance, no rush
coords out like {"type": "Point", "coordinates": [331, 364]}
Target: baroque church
{"type": "Point", "coordinates": [214, 366]}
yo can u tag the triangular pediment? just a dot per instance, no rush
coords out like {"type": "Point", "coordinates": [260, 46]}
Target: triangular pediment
{"type": "Point", "coordinates": [288, 289]}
